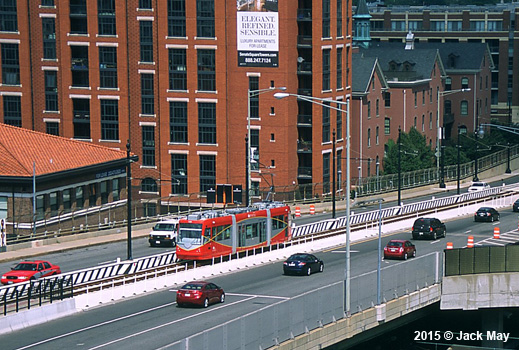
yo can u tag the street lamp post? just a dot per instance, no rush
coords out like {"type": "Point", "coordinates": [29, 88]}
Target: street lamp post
{"type": "Point", "coordinates": [508, 170]}
{"type": "Point", "coordinates": [476, 178]}
{"type": "Point", "coordinates": [399, 169]}
{"type": "Point", "coordinates": [129, 195]}
{"type": "Point", "coordinates": [321, 101]}
{"type": "Point", "coordinates": [250, 94]}
{"type": "Point", "coordinates": [441, 132]}
{"type": "Point", "coordinates": [333, 176]}
{"type": "Point", "coordinates": [458, 170]}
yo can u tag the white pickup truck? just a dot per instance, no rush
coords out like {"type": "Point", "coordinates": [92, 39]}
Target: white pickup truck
{"type": "Point", "coordinates": [164, 233]}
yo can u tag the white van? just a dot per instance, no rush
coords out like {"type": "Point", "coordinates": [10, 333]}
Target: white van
{"type": "Point", "coordinates": [164, 233]}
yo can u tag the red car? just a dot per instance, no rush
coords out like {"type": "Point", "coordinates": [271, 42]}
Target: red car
{"type": "Point", "coordinates": [200, 293]}
{"type": "Point", "coordinates": [399, 248]}
{"type": "Point", "coordinates": [30, 270]}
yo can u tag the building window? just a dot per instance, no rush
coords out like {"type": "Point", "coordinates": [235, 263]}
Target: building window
{"type": "Point", "coordinates": [454, 26]}
{"type": "Point", "coordinates": [397, 26]}
{"type": "Point", "coordinates": [81, 111]}
{"type": "Point", "coordinates": [423, 123]}
{"type": "Point", "coordinates": [376, 136]}
{"type": "Point", "coordinates": [52, 128]}
{"type": "Point", "coordinates": [430, 121]}
{"type": "Point", "coordinates": [339, 67]}
{"type": "Point", "coordinates": [437, 26]}
{"type": "Point", "coordinates": [8, 16]}
{"type": "Point", "coordinates": [49, 38]}
{"type": "Point", "coordinates": [106, 17]}
{"type": "Point", "coordinates": [40, 207]}
{"type": "Point", "coordinates": [116, 187]}
{"type": "Point", "coordinates": [149, 185]}
{"type": "Point", "coordinates": [416, 98]}
{"type": "Point", "coordinates": [178, 122]}
{"type": "Point", "coordinates": [464, 108]}
{"type": "Point", "coordinates": [79, 58]}
{"type": "Point", "coordinates": [369, 137]}
{"type": "Point", "coordinates": [146, 35]}
{"type": "Point", "coordinates": [448, 84]}
{"type": "Point", "coordinates": [326, 173]}
{"type": "Point", "coordinates": [254, 145]}
{"type": "Point", "coordinates": [179, 173]}
{"type": "Point", "coordinates": [205, 19]}
{"type": "Point", "coordinates": [207, 172]}
{"type": "Point", "coordinates": [109, 120]}
{"type": "Point", "coordinates": [414, 25]}
{"type": "Point", "coordinates": [79, 197]}
{"type": "Point", "coordinates": [326, 18]}
{"type": "Point", "coordinates": [66, 197]}
{"type": "Point", "coordinates": [339, 18]}
{"type": "Point", "coordinates": [48, 3]}
{"type": "Point", "coordinates": [377, 110]}
{"type": "Point", "coordinates": [326, 122]}
{"type": "Point", "coordinates": [108, 67]}
{"type": "Point", "coordinates": [477, 26]}
{"type": "Point", "coordinates": [148, 145]}
{"type": "Point", "coordinates": [147, 95]}
{"type": "Point", "coordinates": [10, 64]}
{"type": "Point", "coordinates": [177, 69]}
{"type": "Point", "coordinates": [78, 17]}
{"type": "Point", "coordinates": [387, 126]}
{"type": "Point", "coordinates": [51, 91]}
{"type": "Point", "coordinates": [423, 97]}
{"type": "Point", "coordinates": [387, 99]}
{"type": "Point", "coordinates": [369, 109]}
{"type": "Point", "coordinates": [53, 203]}
{"type": "Point", "coordinates": [145, 4]}
{"type": "Point", "coordinates": [12, 110]}
{"type": "Point", "coordinates": [339, 122]}
{"type": "Point", "coordinates": [103, 189]}
{"type": "Point", "coordinates": [326, 69]}
{"type": "Point", "coordinates": [254, 97]}
{"type": "Point", "coordinates": [206, 70]}
{"type": "Point", "coordinates": [207, 123]}
{"type": "Point", "coordinates": [464, 83]}
{"type": "Point", "coordinates": [176, 18]}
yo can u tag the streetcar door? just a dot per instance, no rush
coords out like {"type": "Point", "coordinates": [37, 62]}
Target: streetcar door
{"type": "Point", "coordinates": [207, 237]}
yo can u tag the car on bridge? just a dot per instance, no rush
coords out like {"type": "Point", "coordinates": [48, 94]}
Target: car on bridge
{"type": "Point", "coordinates": [200, 293]}
{"type": "Point", "coordinates": [478, 186]}
{"type": "Point", "coordinates": [486, 214]}
{"type": "Point", "coordinates": [515, 207]}
{"type": "Point", "coordinates": [400, 249]}
{"type": "Point", "coordinates": [30, 270]}
{"type": "Point", "coordinates": [428, 228]}
{"type": "Point", "coordinates": [302, 264]}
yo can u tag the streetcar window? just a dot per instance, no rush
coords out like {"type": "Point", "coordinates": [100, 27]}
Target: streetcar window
{"type": "Point", "coordinates": [207, 233]}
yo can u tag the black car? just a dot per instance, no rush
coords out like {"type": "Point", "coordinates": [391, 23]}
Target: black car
{"type": "Point", "coordinates": [486, 214]}
{"type": "Point", "coordinates": [302, 264]}
{"type": "Point", "coordinates": [428, 228]}
{"type": "Point", "coordinates": [515, 207]}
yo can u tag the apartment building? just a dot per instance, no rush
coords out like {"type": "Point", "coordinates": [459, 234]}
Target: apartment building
{"type": "Point", "coordinates": [186, 82]}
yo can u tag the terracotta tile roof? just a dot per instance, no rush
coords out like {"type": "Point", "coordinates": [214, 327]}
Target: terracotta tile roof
{"type": "Point", "coordinates": [20, 147]}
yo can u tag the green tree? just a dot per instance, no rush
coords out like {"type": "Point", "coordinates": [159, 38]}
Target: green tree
{"type": "Point", "coordinates": [415, 153]}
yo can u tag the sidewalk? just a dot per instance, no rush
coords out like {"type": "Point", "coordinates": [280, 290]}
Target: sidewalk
{"type": "Point", "coordinates": [18, 252]}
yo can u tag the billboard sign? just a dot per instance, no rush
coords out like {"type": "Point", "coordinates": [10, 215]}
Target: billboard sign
{"type": "Point", "coordinates": [257, 33]}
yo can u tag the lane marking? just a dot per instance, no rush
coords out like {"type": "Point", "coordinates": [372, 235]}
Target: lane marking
{"type": "Point", "coordinates": [436, 241]}
{"type": "Point", "coordinates": [123, 318]}
{"type": "Point", "coordinates": [343, 251]}
{"type": "Point", "coordinates": [248, 295]}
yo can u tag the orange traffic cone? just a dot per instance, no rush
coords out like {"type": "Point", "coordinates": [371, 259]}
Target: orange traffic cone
{"type": "Point", "coordinates": [470, 242]}
{"type": "Point", "coordinates": [449, 245]}
{"type": "Point", "coordinates": [496, 232]}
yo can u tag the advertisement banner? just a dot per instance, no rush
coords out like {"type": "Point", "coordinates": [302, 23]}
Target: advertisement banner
{"type": "Point", "coordinates": [257, 33]}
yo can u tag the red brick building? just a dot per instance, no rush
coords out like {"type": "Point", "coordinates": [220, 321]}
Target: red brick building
{"type": "Point", "coordinates": [173, 77]}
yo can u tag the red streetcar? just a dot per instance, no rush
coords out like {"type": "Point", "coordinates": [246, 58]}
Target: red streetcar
{"type": "Point", "coordinates": [213, 233]}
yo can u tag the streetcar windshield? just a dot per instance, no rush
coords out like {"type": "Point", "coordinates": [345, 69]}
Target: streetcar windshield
{"type": "Point", "coordinates": [190, 231]}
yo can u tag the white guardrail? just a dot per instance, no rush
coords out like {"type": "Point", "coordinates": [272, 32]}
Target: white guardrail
{"type": "Point", "coordinates": [129, 268]}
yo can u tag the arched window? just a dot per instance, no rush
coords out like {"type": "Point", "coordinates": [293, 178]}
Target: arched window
{"type": "Point", "coordinates": [149, 185]}
{"type": "Point", "coordinates": [464, 83]}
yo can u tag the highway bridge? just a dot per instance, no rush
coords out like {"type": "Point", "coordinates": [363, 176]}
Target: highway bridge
{"type": "Point", "coordinates": [147, 317]}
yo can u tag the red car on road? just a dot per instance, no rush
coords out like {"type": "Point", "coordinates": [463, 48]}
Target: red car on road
{"type": "Point", "coordinates": [30, 270]}
{"type": "Point", "coordinates": [200, 293]}
{"type": "Point", "coordinates": [399, 248]}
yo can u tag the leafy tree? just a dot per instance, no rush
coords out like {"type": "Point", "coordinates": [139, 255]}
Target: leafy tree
{"type": "Point", "coordinates": [415, 153]}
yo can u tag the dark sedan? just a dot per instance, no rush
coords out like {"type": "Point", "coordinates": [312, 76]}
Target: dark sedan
{"type": "Point", "coordinates": [302, 264]}
{"type": "Point", "coordinates": [486, 214]}
{"type": "Point", "coordinates": [515, 207]}
{"type": "Point", "coordinates": [200, 293]}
